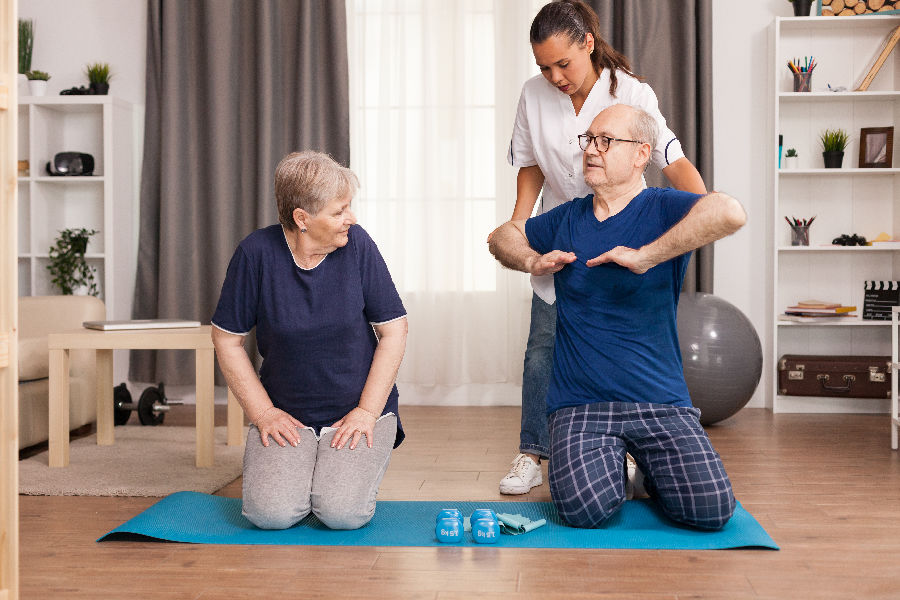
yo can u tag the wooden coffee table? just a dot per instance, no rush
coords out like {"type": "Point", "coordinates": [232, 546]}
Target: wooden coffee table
{"type": "Point", "coordinates": [103, 343]}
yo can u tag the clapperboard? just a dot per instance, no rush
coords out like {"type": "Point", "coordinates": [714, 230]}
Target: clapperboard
{"type": "Point", "coordinates": [880, 297]}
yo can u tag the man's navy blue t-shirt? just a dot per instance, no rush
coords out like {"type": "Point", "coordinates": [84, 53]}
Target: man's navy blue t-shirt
{"type": "Point", "coordinates": [313, 326]}
{"type": "Point", "coordinates": [616, 335]}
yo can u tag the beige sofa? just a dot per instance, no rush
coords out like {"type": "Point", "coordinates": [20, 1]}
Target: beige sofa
{"type": "Point", "coordinates": [38, 316]}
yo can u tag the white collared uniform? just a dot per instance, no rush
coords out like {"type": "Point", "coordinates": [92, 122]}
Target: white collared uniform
{"type": "Point", "coordinates": [546, 134]}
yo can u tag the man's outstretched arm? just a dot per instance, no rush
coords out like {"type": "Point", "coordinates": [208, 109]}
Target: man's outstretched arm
{"type": "Point", "coordinates": [712, 217]}
{"type": "Point", "coordinates": [509, 245]}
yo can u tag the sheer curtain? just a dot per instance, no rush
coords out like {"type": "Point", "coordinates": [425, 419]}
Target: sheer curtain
{"type": "Point", "coordinates": [433, 93]}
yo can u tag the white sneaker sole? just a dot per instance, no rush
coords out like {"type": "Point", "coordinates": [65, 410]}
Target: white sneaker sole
{"type": "Point", "coordinates": [511, 489]}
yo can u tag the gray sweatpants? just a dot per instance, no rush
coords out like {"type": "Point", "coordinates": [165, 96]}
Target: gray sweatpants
{"type": "Point", "coordinates": [282, 485]}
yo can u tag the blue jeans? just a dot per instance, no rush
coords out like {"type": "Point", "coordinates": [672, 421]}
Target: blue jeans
{"type": "Point", "coordinates": [534, 437]}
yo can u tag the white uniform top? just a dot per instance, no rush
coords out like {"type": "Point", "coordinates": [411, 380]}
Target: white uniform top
{"type": "Point", "coordinates": [546, 134]}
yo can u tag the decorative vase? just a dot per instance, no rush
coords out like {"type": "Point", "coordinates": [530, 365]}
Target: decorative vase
{"type": "Point", "coordinates": [99, 89]}
{"type": "Point", "coordinates": [37, 87]}
{"type": "Point", "coordinates": [801, 7]}
{"type": "Point", "coordinates": [790, 162]}
{"type": "Point", "coordinates": [833, 160]}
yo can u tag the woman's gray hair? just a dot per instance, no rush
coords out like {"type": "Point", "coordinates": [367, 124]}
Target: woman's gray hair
{"type": "Point", "coordinates": [308, 180]}
{"type": "Point", "coordinates": [644, 128]}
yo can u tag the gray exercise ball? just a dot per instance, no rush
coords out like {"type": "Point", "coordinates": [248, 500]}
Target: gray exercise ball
{"type": "Point", "coordinates": [721, 353]}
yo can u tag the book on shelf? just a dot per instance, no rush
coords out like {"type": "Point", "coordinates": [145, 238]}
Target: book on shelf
{"type": "Point", "coordinates": [809, 318]}
{"type": "Point", "coordinates": [828, 310]}
{"type": "Point", "coordinates": [817, 304]}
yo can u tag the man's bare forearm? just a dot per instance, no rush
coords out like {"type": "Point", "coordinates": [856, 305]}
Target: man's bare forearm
{"type": "Point", "coordinates": [712, 217]}
{"type": "Point", "coordinates": [510, 247]}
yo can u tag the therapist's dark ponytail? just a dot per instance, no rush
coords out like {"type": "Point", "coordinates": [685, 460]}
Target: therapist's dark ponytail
{"type": "Point", "coordinates": [575, 19]}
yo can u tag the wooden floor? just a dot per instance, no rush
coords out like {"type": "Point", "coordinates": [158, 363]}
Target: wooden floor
{"type": "Point", "coordinates": [825, 487]}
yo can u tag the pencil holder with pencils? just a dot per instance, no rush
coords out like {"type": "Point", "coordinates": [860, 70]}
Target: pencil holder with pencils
{"type": "Point", "coordinates": [802, 72]}
{"type": "Point", "coordinates": [802, 81]}
{"type": "Point", "coordinates": [800, 235]}
{"type": "Point", "coordinates": [799, 230]}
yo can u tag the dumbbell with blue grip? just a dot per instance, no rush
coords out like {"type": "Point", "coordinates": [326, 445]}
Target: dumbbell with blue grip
{"type": "Point", "coordinates": [448, 527]}
{"type": "Point", "coordinates": [485, 528]}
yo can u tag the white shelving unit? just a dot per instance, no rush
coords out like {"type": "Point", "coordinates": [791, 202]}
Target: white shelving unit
{"type": "Point", "coordinates": [847, 200]}
{"type": "Point", "coordinates": [101, 126]}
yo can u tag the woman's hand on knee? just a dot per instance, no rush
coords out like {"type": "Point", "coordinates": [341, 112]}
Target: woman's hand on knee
{"type": "Point", "coordinates": [280, 425]}
{"type": "Point", "coordinates": [352, 427]}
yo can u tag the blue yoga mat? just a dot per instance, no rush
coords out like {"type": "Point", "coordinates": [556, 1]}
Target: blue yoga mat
{"type": "Point", "coordinates": [204, 519]}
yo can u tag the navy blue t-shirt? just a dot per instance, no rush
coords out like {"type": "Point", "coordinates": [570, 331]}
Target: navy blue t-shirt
{"type": "Point", "coordinates": [313, 326]}
{"type": "Point", "coordinates": [616, 335]}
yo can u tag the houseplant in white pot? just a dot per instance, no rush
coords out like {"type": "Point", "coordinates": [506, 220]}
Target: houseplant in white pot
{"type": "Point", "coordinates": [37, 82]}
{"type": "Point", "coordinates": [70, 269]}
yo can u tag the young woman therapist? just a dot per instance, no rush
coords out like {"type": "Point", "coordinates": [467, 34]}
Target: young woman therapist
{"type": "Point", "coordinates": [581, 74]}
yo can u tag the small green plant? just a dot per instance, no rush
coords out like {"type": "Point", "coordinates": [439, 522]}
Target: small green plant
{"type": "Point", "coordinates": [98, 72]}
{"type": "Point", "coordinates": [39, 75]}
{"type": "Point", "coordinates": [791, 153]}
{"type": "Point", "coordinates": [26, 44]}
{"type": "Point", "coordinates": [68, 266]}
{"type": "Point", "coordinates": [834, 140]}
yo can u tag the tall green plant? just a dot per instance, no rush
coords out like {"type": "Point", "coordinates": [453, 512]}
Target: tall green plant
{"type": "Point", "coordinates": [26, 44]}
{"type": "Point", "coordinates": [98, 72]}
{"type": "Point", "coordinates": [68, 266]}
{"type": "Point", "coordinates": [834, 140]}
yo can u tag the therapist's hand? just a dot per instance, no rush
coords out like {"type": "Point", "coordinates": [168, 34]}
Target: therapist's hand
{"type": "Point", "coordinates": [280, 425]}
{"type": "Point", "coordinates": [552, 262]}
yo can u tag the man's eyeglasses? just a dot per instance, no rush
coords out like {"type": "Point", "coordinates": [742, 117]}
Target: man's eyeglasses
{"type": "Point", "coordinates": [601, 142]}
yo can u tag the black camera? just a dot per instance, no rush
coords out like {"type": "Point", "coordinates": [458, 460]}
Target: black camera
{"type": "Point", "coordinates": [71, 163]}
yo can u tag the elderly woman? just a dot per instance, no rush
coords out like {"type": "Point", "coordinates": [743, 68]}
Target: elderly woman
{"type": "Point", "coordinates": [331, 329]}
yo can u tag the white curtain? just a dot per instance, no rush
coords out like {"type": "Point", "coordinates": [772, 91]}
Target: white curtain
{"type": "Point", "coordinates": [433, 93]}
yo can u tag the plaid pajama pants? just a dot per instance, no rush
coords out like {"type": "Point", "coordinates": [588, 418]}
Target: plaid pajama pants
{"type": "Point", "coordinates": [683, 472]}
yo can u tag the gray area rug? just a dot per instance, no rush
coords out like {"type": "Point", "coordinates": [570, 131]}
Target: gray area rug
{"type": "Point", "coordinates": [143, 461]}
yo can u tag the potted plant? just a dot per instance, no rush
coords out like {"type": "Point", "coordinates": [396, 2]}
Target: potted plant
{"type": "Point", "coordinates": [69, 268]}
{"type": "Point", "coordinates": [801, 7]}
{"type": "Point", "coordinates": [834, 141]}
{"type": "Point", "coordinates": [26, 45]}
{"type": "Point", "coordinates": [790, 158]}
{"type": "Point", "coordinates": [37, 82]}
{"type": "Point", "coordinates": [98, 75]}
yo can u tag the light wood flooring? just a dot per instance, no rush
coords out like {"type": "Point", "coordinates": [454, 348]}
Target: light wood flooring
{"type": "Point", "coordinates": [825, 487]}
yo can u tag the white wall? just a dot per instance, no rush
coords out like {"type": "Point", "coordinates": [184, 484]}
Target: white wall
{"type": "Point", "coordinates": [741, 113]}
{"type": "Point", "coordinates": [70, 34]}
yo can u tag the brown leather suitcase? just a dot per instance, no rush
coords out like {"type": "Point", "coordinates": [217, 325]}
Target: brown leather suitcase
{"type": "Point", "coordinates": [834, 376]}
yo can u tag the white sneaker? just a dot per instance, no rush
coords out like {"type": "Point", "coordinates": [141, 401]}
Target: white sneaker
{"type": "Point", "coordinates": [634, 482]}
{"type": "Point", "coordinates": [524, 475]}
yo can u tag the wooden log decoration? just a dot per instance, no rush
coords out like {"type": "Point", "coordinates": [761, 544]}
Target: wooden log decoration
{"type": "Point", "coordinates": [848, 8]}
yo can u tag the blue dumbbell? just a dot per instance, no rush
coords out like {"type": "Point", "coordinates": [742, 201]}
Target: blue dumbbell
{"type": "Point", "coordinates": [483, 513]}
{"type": "Point", "coordinates": [448, 527]}
{"type": "Point", "coordinates": [485, 531]}
{"type": "Point", "coordinates": [485, 528]}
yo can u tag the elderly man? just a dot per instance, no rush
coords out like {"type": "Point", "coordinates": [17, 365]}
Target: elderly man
{"type": "Point", "coordinates": [620, 256]}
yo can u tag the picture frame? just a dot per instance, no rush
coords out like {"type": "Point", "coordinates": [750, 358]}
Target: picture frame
{"type": "Point", "coordinates": [876, 147]}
